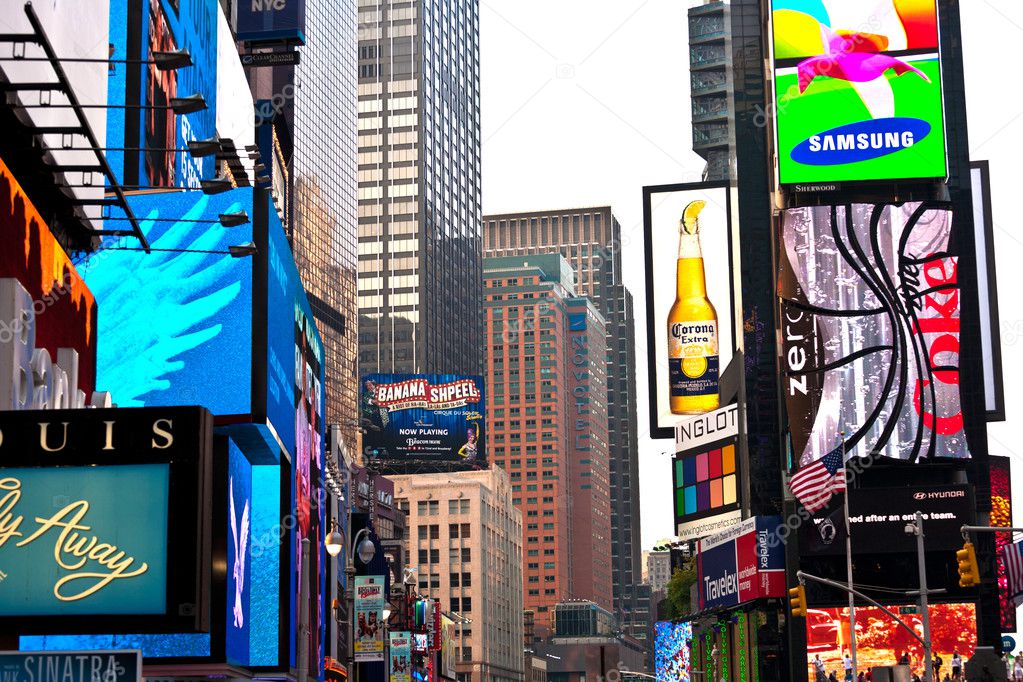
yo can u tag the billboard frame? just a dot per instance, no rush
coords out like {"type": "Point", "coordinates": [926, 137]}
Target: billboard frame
{"type": "Point", "coordinates": [657, 431]}
{"type": "Point", "coordinates": [981, 170]}
{"type": "Point", "coordinates": [776, 165]}
{"type": "Point", "coordinates": [190, 495]}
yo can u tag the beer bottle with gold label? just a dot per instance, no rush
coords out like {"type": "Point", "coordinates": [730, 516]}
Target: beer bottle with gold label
{"type": "Point", "coordinates": [693, 365]}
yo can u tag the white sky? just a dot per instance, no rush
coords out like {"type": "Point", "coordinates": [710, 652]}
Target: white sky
{"type": "Point", "coordinates": [585, 102]}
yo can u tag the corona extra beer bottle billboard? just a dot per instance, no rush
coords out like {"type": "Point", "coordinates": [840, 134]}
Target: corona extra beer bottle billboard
{"type": "Point", "coordinates": [693, 362]}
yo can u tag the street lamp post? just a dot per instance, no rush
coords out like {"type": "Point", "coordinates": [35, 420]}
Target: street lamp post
{"type": "Point", "coordinates": [365, 550]}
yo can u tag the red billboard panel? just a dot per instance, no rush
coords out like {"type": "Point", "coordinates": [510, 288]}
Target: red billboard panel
{"type": "Point", "coordinates": [58, 304]}
{"type": "Point", "coordinates": [880, 641]}
{"type": "Point", "coordinates": [1001, 516]}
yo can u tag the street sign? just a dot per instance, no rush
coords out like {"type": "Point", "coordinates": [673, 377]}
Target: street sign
{"type": "Point", "coordinates": [71, 666]}
{"type": "Point", "coordinates": [908, 610]}
{"type": "Point", "coordinates": [288, 58]}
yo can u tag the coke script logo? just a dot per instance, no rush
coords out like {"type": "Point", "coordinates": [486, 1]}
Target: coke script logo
{"type": "Point", "coordinates": [937, 313]}
{"type": "Point", "coordinates": [870, 328]}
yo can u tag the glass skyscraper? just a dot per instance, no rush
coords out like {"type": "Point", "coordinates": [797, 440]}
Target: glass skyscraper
{"type": "Point", "coordinates": [315, 184]}
{"type": "Point", "coordinates": [420, 281]}
{"type": "Point", "coordinates": [323, 188]}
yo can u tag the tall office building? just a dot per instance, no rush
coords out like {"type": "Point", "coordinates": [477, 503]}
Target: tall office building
{"type": "Point", "coordinates": [590, 239]}
{"type": "Point", "coordinates": [314, 176]}
{"type": "Point", "coordinates": [465, 541]}
{"type": "Point", "coordinates": [547, 426]}
{"type": "Point", "coordinates": [324, 215]}
{"type": "Point", "coordinates": [658, 570]}
{"type": "Point", "coordinates": [420, 249]}
{"type": "Point", "coordinates": [708, 85]}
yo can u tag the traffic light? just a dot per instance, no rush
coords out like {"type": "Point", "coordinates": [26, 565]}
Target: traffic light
{"type": "Point", "coordinates": [797, 601]}
{"type": "Point", "coordinates": [969, 572]}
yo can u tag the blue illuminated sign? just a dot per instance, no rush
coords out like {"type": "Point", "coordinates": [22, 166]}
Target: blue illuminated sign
{"type": "Point", "coordinates": [271, 21]}
{"type": "Point", "coordinates": [177, 324]}
{"type": "Point", "coordinates": [239, 556]}
{"type": "Point", "coordinates": [84, 540]}
{"type": "Point", "coordinates": [154, 131]}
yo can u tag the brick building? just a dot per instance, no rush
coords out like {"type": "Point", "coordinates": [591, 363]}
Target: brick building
{"type": "Point", "coordinates": [547, 425]}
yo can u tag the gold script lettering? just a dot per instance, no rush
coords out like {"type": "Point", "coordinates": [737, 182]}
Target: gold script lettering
{"type": "Point", "coordinates": [8, 521]}
{"type": "Point", "coordinates": [72, 548]}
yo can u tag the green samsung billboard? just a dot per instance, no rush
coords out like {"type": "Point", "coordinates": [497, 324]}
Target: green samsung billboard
{"type": "Point", "coordinates": [858, 92]}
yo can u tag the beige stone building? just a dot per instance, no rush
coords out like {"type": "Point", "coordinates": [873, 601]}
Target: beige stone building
{"type": "Point", "coordinates": [465, 542]}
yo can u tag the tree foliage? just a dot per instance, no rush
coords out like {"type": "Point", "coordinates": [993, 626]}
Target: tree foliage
{"type": "Point", "coordinates": [678, 591]}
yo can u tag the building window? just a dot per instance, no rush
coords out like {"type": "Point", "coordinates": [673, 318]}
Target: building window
{"type": "Point", "coordinates": [452, 531]}
{"type": "Point", "coordinates": [423, 556]}
{"type": "Point", "coordinates": [466, 604]}
{"type": "Point", "coordinates": [454, 579]}
{"type": "Point", "coordinates": [434, 531]}
{"type": "Point", "coordinates": [435, 580]}
{"type": "Point", "coordinates": [434, 507]}
{"type": "Point", "coordinates": [434, 556]}
{"type": "Point", "coordinates": [423, 532]}
{"type": "Point", "coordinates": [466, 555]}
{"type": "Point", "coordinates": [464, 506]}
{"type": "Point", "coordinates": [466, 579]}
{"type": "Point", "coordinates": [456, 604]}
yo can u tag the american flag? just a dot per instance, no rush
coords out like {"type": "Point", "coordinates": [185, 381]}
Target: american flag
{"type": "Point", "coordinates": [1013, 560]}
{"type": "Point", "coordinates": [814, 484]}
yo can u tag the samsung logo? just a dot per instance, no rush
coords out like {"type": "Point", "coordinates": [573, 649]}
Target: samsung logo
{"type": "Point", "coordinates": [861, 141]}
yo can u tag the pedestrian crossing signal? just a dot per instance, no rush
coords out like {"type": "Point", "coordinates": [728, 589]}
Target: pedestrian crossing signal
{"type": "Point", "coordinates": [969, 572]}
{"type": "Point", "coordinates": [797, 601]}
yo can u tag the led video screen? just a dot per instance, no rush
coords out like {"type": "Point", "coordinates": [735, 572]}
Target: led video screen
{"type": "Point", "coordinates": [172, 315]}
{"type": "Point", "coordinates": [869, 316]}
{"type": "Point", "coordinates": [672, 645]}
{"type": "Point", "coordinates": [880, 641]}
{"type": "Point", "coordinates": [858, 90]}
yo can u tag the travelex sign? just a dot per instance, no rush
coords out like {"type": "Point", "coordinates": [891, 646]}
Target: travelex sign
{"type": "Point", "coordinates": [858, 90]}
{"type": "Point", "coordinates": [742, 563]}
